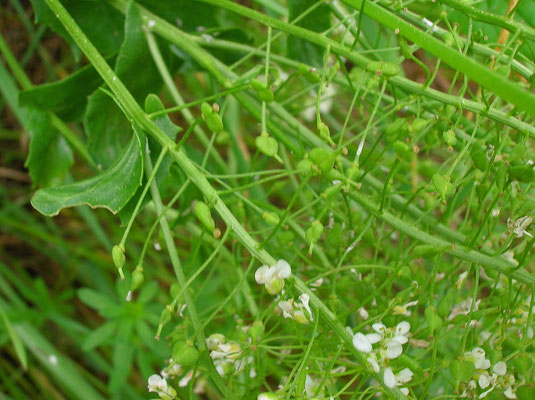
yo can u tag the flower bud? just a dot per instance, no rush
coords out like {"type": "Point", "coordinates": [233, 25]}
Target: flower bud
{"type": "Point", "coordinates": [184, 354]}
{"type": "Point", "coordinates": [256, 331]}
{"type": "Point", "coordinates": [137, 278]}
{"type": "Point", "coordinates": [202, 212]}
{"type": "Point", "coordinates": [117, 254]}
{"type": "Point", "coordinates": [325, 133]}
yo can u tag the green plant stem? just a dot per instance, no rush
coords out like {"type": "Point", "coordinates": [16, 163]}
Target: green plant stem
{"type": "Point", "coordinates": [192, 311]}
{"type": "Point", "coordinates": [506, 22]}
{"type": "Point", "coordinates": [169, 83]}
{"type": "Point", "coordinates": [197, 177]}
{"type": "Point", "coordinates": [489, 79]}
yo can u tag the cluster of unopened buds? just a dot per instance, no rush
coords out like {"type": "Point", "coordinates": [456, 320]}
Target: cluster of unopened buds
{"type": "Point", "coordinates": [272, 277]}
{"type": "Point", "coordinates": [488, 377]}
{"type": "Point", "coordinates": [225, 354]}
{"type": "Point", "coordinates": [390, 343]}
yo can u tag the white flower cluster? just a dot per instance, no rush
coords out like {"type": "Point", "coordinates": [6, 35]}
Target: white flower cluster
{"type": "Point", "coordinates": [299, 312]}
{"type": "Point", "coordinates": [272, 277]}
{"type": "Point", "coordinates": [390, 346]}
{"type": "Point", "coordinates": [487, 380]}
{"type": "Point", "coordinates": [520, 225]}
{"type": "Point", "coordinates": [159, 385]}
{"type": "Point", "coordinates": [224, 353]}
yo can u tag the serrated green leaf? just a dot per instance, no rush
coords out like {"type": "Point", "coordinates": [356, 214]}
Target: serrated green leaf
{"type": "Point", "coordinates": [111, 190]}
{"type": "Point", "coordinates": [67, 97]}
{"type": "Point", "coordinates": [98, 336]}
{"type": "Point", "coordinates": [318, 21]}
{"type": "Point", "coordinates": [107, 127]}
{"type": "Point", "coordinates": [20, 351]}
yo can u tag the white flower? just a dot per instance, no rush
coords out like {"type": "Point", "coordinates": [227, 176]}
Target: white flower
{"type": "Point", "coordinates": [372, 359]}
{"type": "Point", "coordinates": [362, 343]}
{"type": "Point", "coordinates": [404, 376]}
{"type": "Point", "coordinates": [157, 384]}
{"type": "Point", "coordinates": [477, 356]}
{"type": "Point", "coordinates": [403, 310]}
{"type": "Point", "coordinates": [519, 226]}
{"type": "Point", "coordinates": [311, 386]}
{"type": "Point", "coordinates": [509, 393]}
{"type": "Point", "coordinates": [379, 328]}
{"type": "Point", "coordinates": [500, 368]}
{"type": "Point", "coordinates": [273, 276]}
{"type": "Point", "coordinates": [295, 311]}
{"type": "Point", "coordinates": [484, 381]}
{"type": "Point", "coordinates": [389, 378]}
{"type": "Point", "coordinates": [267, 396]}
{"type": "Point", "coordinates": [305, 299]}
{"type": "Point", "coordinates": [393, 349]}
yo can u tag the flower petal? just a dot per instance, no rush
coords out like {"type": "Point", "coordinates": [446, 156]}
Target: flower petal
{"type": "Point", "coordinates": [389, 378]}
{"type": "Point", "coordinates": [500, 368]}
{"type": "Point", "coordinates": [393, 349]}
{"type": "Point", "coordinates": [403, 328]}
{"type": "Point", "coordinates": [374, 337]}
{"type": "Point", "coordinates": [362, 343]}
{"type": "Point", "coordinates": [283, 269]}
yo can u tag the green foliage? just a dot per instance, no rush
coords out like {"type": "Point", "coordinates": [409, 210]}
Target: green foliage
{"type": "Point", "coordinates": [307, 200]}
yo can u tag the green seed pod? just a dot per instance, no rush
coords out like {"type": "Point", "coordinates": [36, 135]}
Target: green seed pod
{"type": "Point", "coordinates": [256, 331]}
{"type": "Point", "coordinates": [174, 290]}
{"type": "Point", "coordinates": [137, 278]}
{"type": "Point", "coordinates": [522, 173]}
{"type": "Point", "coordinates": [271, 218]}
{"type": "Point", "coordinates": [304, 166]}
{"type": "Point", "coordinates": [308, 73]}
{"type": "Point", "coordinates": [267, 145]}
{"type": "Point", "coordinates": [184, 354]}
{"type": "Point", "coordinates": [325, 133]}
{"type": "Point", "coordinates": [419, 124]}
{"type": "Point", "coordinates": [202, 212]}
{"type": "Point", "coordinates": [263, 91]}
{"type": "Point", "coordinates": [449, 137]}
{"type": "Point", "coordinates": [433, 319]}
{"type": "Point", "coordinates": [443, 186]}
{"type": "Point", "coordinates": [322, 158]}
{"type": "Point", "coordinates": [403, 150]}
{"type": "Point", "coordinates": [353, 171]}
{"type": "Point", "coordinates": [206, 110]}
{"type": "Point", "coordinates": [477, 152]}
{"type": "Point", "coordinates": [215, 123]}
{"type": "Point", "coordinates": [396, 130]}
